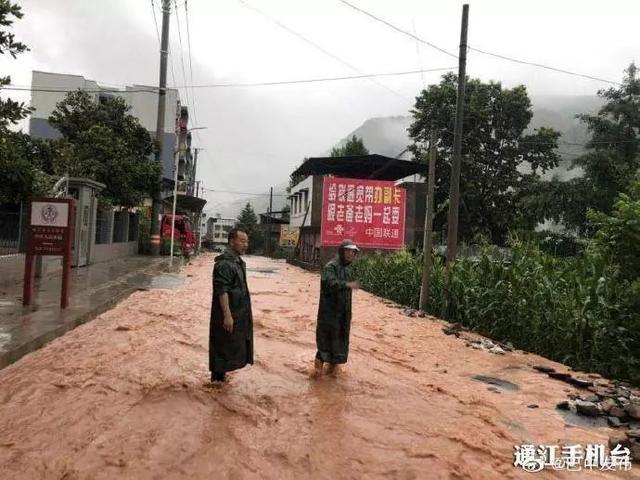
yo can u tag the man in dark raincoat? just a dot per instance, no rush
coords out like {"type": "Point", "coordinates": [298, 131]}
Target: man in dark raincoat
{"type": "Point", "coordinates": [334, 311]}
{"type": "Point", "coordinates": [231, 327]}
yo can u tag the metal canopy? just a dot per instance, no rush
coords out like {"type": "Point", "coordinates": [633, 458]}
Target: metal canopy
{"type": "Point", "coordinates": [377, 167]}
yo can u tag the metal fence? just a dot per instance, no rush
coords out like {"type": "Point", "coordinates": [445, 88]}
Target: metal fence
{"type": "Point", "coordinates": [120, 226]}
{"type": "Point", "coordinates": [13, 230]}
{"type": "Point", "coordinates": [103, 226]}
{"type": "Point", "coordinates": [134, 227]}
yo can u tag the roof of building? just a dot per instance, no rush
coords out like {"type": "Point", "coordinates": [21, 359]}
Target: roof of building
{"type": "Point", "coordinates": [374, 166]}
{"type": "Point", "coordinates": [187, 202]}
{"type": "Point", "coordinates": [266, 218]}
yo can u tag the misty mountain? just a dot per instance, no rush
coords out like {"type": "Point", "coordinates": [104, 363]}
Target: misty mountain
{"type": "Point", "coordinates": [388, 136]}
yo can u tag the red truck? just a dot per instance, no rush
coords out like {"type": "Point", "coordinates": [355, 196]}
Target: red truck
{"type": "Point", "coordinates": [183, 236]}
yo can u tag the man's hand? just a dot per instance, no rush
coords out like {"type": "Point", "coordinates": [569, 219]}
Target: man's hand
{"type": "Point", "coordinates": [353, 285]}
{"type": "Point", "coordinates": [228, 323]}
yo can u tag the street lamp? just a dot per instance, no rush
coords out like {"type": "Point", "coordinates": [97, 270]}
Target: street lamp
{"type": "Point", "coordinates": [175, 196]}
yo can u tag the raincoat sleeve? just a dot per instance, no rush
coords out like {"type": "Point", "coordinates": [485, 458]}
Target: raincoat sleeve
{"type": "Point", "coordinates": [223, 278]}
{"type": "Point", "coordinates": [330, 278]}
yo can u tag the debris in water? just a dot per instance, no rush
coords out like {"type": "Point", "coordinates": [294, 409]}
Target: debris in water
{"type": "Point", "coordinates": [487, 345]}
{"type": "Point", "coordinates": [453, 329]}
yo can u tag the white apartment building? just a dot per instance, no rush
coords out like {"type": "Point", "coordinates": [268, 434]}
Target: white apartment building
{"type": "Point", "coordinates": [144, 105]}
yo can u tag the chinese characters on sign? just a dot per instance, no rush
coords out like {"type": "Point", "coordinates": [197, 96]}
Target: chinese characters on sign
{"type": "Point", "coordinates": [289, 236]}
{"type": "Point", "coordinates": [532, 458]}
{"type": "Point", "coordinates": [47, 240]}
{"type": "Point", "coordinates": [49, 228]}
{"type": "Point", "coordinates": [50, 233]}
{"type": "Point", "coordinates": [369, 212]}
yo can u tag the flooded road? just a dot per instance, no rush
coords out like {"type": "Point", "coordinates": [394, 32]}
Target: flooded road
{"type": "Point", "coordinates": [126, 396]}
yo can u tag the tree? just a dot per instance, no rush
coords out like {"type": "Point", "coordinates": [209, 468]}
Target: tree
{"type": "Point", "coordinates": [19, 166]}
{"type": "Point", "coordinates": [248, 221]}
{"type": "Point", "coordinates": [102, 141]}
{"type": "Point", "coordinates": [500, 163]}
{"type": "Point", "coordinates": [611, 164]}
{"type": "Point", "coordinates": [11, 112]}
{"type": "Point", "coordinates": [617, 235]}
{"type": "Point", "coordinates": [22, 167]}
{"type": "Point", "coordinates": [354, 146]}
{"type": "Point", "coordinates": [616, 240]}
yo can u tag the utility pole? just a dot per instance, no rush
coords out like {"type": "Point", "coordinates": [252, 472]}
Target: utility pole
{"type": "Point", "coordinates": [195, 166]}
{"type": "Point", "coordinates": [270, 210]}
{"type": "Point", "coordinates": [454, 191]}
{"type": "Point", "coordinates": [173, 209]}
{"type": "Point", "coordinates": [427, 244]}
{"type": "Point", "coordinates": [162, 99]}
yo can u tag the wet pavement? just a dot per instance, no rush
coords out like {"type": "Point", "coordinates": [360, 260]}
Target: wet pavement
{"type": "Point", "coordinates": [95, 289]}
{"type": "Point", "coordinates": [127, 396]}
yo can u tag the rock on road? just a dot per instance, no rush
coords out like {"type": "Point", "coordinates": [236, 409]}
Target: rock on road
{"type": "Point", "coordinates": [126, 396]}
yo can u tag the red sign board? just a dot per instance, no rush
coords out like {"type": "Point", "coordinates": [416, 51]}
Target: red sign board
{"type": "Point", "coordinates": [369, 212]}
{"type": "Point", "coordinates": [50, 233]}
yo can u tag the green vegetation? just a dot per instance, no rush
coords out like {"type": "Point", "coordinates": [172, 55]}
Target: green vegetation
{"type": "Point", "coordinates": [583, 311]}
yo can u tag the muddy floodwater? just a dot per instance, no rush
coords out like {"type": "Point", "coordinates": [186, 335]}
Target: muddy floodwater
{"type": "Point", "coordinates": [126, 396]}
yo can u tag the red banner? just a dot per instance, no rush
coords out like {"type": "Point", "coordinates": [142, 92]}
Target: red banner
{"type": "Point", "coordinates": [369, 212]}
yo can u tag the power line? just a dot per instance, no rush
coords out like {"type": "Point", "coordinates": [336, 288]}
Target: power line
{"type": "Point", "coordinates": [503, 57]}
{"type": "Point", "coordinates": [184, 74]}
{"type": "Point", "coordinates": [186, 17]}
{"type": "Point", "coordinates": [315, 45]}
{"type": "Point", "coordinates": [390, 25]}
{"type": "Point", "coordinates": [418, 55]}
{"type": "Point", "coordinates": [193, 92]}
{"type": "Point", "coordinates": [546, 67]}
{"type": "Point", "coordinates": [231, 85]}
{"type": "Point", "coordinates": [569, 153]}
{"type": "Point", "coordinates": [155, 21]}
{"type": "Point", "coordinates": [561, 142]}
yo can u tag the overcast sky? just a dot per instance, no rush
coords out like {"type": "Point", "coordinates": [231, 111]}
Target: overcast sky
{"type": "Point", "coordinates": [257, 136]}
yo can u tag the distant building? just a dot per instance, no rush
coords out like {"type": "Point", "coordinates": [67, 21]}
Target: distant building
{"type": "Point", "coordinates": [270, 226]}
{"type": "Point", "coordinates": [218, 229]}
{"type": "Point", "coordinates": [143, 101]}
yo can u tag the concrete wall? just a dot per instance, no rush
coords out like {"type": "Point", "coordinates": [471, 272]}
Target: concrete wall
{"type": "Point", "coordinates": [300, 193]}
{"type": "Point", "coordinates": [144, 105]}
{"type": "Point", "coordinates": [111, 251]}
{"type": "Point", "coordinates": [310, 189]}
{"type": "Point", "coordinates": [315, 211]}
{"type": "Point", "coordinates": [12, 269]}
{"type": "Point", "coordinates": [50, 265]}
{"type": "Point", "coordinates": [45, 102]}
{"type": "Point", "coordinates": [12, 266]}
